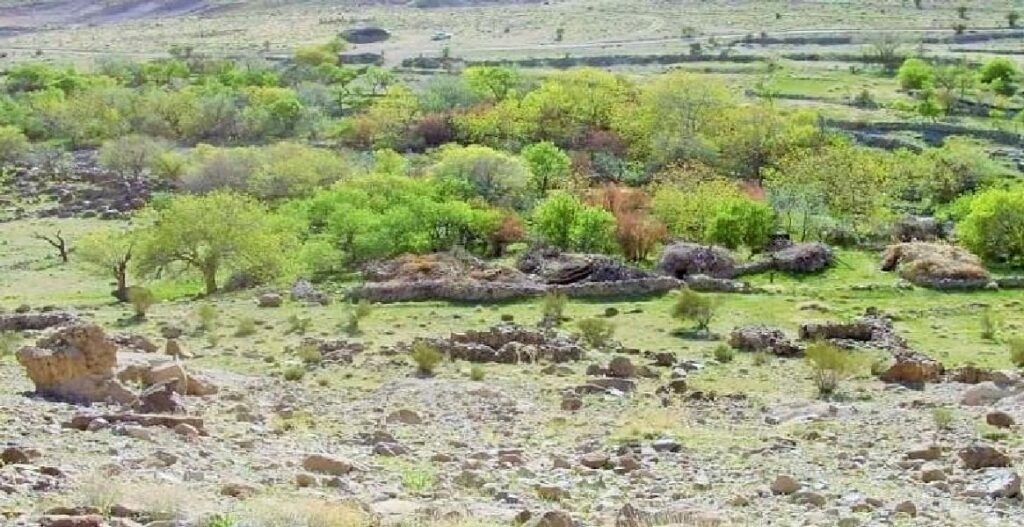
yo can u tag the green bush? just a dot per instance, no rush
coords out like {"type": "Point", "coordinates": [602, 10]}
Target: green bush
{"type": "Point", "coordinates": [9, 341]}
{"type": "Point", "coordinates": [915, 74]}
{"type": "Point", "coordinates": [208, 316]}
{"type": "Point", "coordinates": [553, 307]}
{"type": "Point", "coordinates": [298, 325]}
{"type": "Point", "coordinates": [596, 332]}
{"type": "Point", "coordinates": [830, 365]}
{"type": "Point", "coordinates": [355, 315]}
{"type": "Point", "coordinates": [694, 307]}
{"type": "Point", "coordinates": [1016, 347]}
{"type": "Point", "coordinates": [990, 324]}
{"type": "Point", "coordinates": [13, 143]}
{"type": "Point", "coordinates": [477, 373]}
{"type": "Point", "coordinates": [294, 372]}
{"type": "Point", "coordinates": [246, 327]}
{"type": "Point", "coordinates": [565, 222]}
{"type": "Point", "coordinates": [991, 221]}
{"type": "Point", "coordinates": [426, 358]}
{"type": "Point", "coordinates": [943, 418]}
{"type": "Point", "coordinates": [309, 354]}
{"type": "Point", "coordinates": [724, 354]}
{"type": "Point", "coordinates": [141, 300]}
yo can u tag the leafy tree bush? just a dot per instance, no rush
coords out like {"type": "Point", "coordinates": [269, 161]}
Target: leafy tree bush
{"type": "Point", "coordinates": [991, 226]}
{"type": "Point", "coordinates": [694, 307]}
{"type": "Point", "coordinates": [741, 222]}
{"type": "Point", "coordinates": [211, 234]}
{"type": "Point", "coordinates": [999, 69]}
{"type": "Point", "coordinates": [596, 332]}
{"type": "Point", "coordinates": [130, 155]}
{"type": "Point", "coordinates": [830, 365]}
{"type": "Point", "coordinates": [141, 300]}
{"type": "Point", "coordinates": [426, 358]}
{"type": "Point", "coordinates": [549, 167]}
{"type": "Point", "coordinates": [593, 231]}
{"type": "Point", "coordinates": [109, 252]}
{"type": "Point", "coordinates": [13, 143]}
{"type": "Point", "coordinates": [915, 74]}
{"type": "Point", "coordinates": [553, 307]}
{"type": "Point", "coordinates": [687, 210]}
{"type": "Point", "coordinates": [479, 171]}
{"type": "Point", "coordinates": [565, 222]}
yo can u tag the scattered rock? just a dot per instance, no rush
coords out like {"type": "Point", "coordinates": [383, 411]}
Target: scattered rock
{"type": "Point", "coordinates": [999, 419]}
{"type": "Point", "coordinates": [995, 483]}
{"type": "Point", "coordinates": [983, 456]}
{"type": "Point", "coordinates": [785, 485]}
{"type": "Point", "coordinates": [322, 464]}
{"type": "Point", "coordinates": [75, 363]}
{"type": "Point", "coordinates": [983, 394]}
{"type": "Point", "coordinates": [270, 300]}
{"type": "Point", "coordinates": [763, 339]}
{"type": "Point", "coordinates": [621, 367]}
{"type": "Point", "coordinates": [595, 460]}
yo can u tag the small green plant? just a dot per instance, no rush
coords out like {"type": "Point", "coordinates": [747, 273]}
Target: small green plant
{"type": "Point", "coordinates": [355, 315]}
{"type": "Point", "coordinates": [943, 418]}
{"type": "Point", "coordinates": [298, 325]}
{"type": "Point", "coordinates": [596, 332]}
{"type": "Point", "coordinates": [220, 520]}
{"type": "Point", "coordinates": [426, 358]}
{"type": "Point", "coordinates": [208, 316]}
{"type": "Point", "coordinates": [246, 327]}
{"type": "Point", "coordinates": [761, 358]}
{"type": "Point", "coordinates": [477, 373]}
{"type": "Point", "coordinates": [724, 354]}
{"type": "Point", "coordinates": [694, 307]}
{"type": "Point", "coordinates": [1016, 346]}
{"type": "Point", "coordinates": [418, 479]}
{"type": "Point", "coordinates": [294, 372]}
{"type": "Point", "coordinates": [990, 325]}
{"type": "Point", "coordinates": [553, 307]}
{"type": "Point", "coordinates": [309, 354]}
{"type": "Point", "coordinates": [830, 365]}
{"type": "Point", "coordinates": [141, 300]}
{"type": "Point", "coordinates": [9, 341]}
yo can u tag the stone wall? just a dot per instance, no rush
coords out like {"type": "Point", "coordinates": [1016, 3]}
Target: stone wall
{"type": "Point", "coordinates": [476, 291]}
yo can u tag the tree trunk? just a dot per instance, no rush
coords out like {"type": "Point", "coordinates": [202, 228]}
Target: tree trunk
{"type": "Point", "coordinates": [121, 275]}
{"type": "Point", "coordinates": [210, 279]}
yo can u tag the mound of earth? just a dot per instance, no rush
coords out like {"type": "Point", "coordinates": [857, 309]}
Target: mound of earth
{"type": "Point", "coordinates": [440, 266]}
{"type": "Point", "coordinates": [552, 266]}
{"type": "Point", "coordinates": [937, 265]}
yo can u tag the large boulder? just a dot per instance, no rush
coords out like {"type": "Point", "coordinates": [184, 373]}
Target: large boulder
{"type": "Point", "coordinates": [365, 35]}
{"type": "Point", "coordinates": [685, 259]}
{"type": "Point", "coordinates": [75, 363]}
{"type": "Point", "coordinates": [554, 267]}
{"type": "Point", "coordinates": [803, 258]}
{"type": "Point", "coordinates": [935, 265]}
{"type": "Point", "coordinates": [763, 338]}
{"type": "Point", "coordinates": [35, 321]}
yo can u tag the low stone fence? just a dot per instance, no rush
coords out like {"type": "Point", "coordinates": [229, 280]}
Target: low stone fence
{"type": "Point", "coordinates": [476, 291]}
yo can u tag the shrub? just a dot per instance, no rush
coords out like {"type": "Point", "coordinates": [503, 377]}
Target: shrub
{"type": "Point", "coordinates": [245, 327]}
{"type": "Point", "coordinates": [990, 325]}
{"type": "Point", "coordinates": [355, 314]}
{"type": "Point", "coordinates": [596, 332]}
{"type": "Point", "coordinates": [8, 342]}
{"type": "Point", "coordinates": [741, 222]}
{"type": "Point", "coordinates": [694, 307]}
{"type": "Point", "coordinates": [998, 69]}
{"type": "Point", "coordinates": [990, 227]}
{"type": "Point", "coordinates": [131, 155]}
{"type": "Point", "coordinates": [943, 418]}
{"type": "Point", "coordinates": [294, 372]}
{"type": "Point", "coordinates": [141, 300]}
{"type": "Point", "coordinates": [207, 315]}
{"type": "Point", "coordinates": [915, 74]}
{"type": "Point", "coordinates": [477, 373]}
{"type": "Point", "coordinates": [830, 364]}
{"type": "Point", "coordinates": [298, 325]}
{"type": "Point", "coordinates": [426, 358]}
{"type": "Point", "coordinates": [498, 178]}
{"type": "Point", "coordinates": [761, 358]}
{"type": "Point", "coordinates": [309, 354]}
{"type": "Point", "coordinates": [549, 167]}
{"type": "Point", "coordinates": [1016, 346]}
{"type": "Point", "coordinates": [724, 354]}
{"type": "Point", "coordinates": [553, 307]}
{"type": "Point", "coordinates": [13, 143]}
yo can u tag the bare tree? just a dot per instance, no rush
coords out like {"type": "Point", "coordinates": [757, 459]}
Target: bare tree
{"type": "Point", "coordinates": [887, 51]}
{"type": "Point", "coordinates": [57, 241]}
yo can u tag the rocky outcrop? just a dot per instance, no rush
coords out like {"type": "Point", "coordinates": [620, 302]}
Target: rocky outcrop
{"type": "Point", "coordinates": [686, 259]}
{"type": "Point", "coordinates": [489, 292]}
{"type": "Point", "coordinates": [365, 35]}
{"type": "Point", "coordinates": [763, 339]}
{"type": "Point", "coordinates": [509, 344]}
{"type": "Point", "coordinates": [35, 321]}
{"type": "Point", "coordinates": [75, 363]}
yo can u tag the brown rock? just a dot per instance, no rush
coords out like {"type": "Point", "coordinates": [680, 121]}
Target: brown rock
{"type": "Point", "coordinates": [405, 417]}
{"type": "Point", "coordinates": [621, 367]}
{"type": "Point", "coordinates": [161, 399]}
{"type": "Point", "coordinates": [983, 456]}
{"type": "Point", "coordinates": [75, 363]}
{"type": "Point", "coordinates": [176, 349]}
{"type": "Point", "coordinates": [999, 419]}
{"type": "Point", "coordinates": [595, 460]}
{"type": "Point", "coordinates": [89, 520]}
{"type": "Point", "coordinates": [327, 465]}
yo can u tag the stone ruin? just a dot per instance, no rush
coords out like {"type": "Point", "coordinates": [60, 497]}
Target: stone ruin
{"type": "Point", "coordinates": [869, 331]}
{"type": "Point", "coordinates": [39, 321]}
{"type": "Point", "coordinates": [509, 344]}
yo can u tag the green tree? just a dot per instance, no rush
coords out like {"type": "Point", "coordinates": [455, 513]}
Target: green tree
{"type": "Point", "coordinates": [1012, 18]}
{"type": "Point", "coordinates": [211, 234]}
{"type": "Point", "coordinates": [999, 69]}
{"type": "Point", "coordinates": [13, 143]}
{"type": "Point", "coordinates": [109, 252]}
{"type": "Point", "coordinates": [493, 82]}
{"type": "Point", "coordinates": [741, 222]}
{"type": "Point", "coordinates": [993, 226]}
{"type": "Point", "coordinates": [499, 178]}
{"type": "Point", "coordinates": [549, 167]}
{"type": "Point", "coordinates": [915, 74]}
{"type": "Point", "coordinates": [593, 231]}
{"type": "Point", "coordinates": [553, 218]}
{"type": "Point", "coordinates": [130, 155]}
